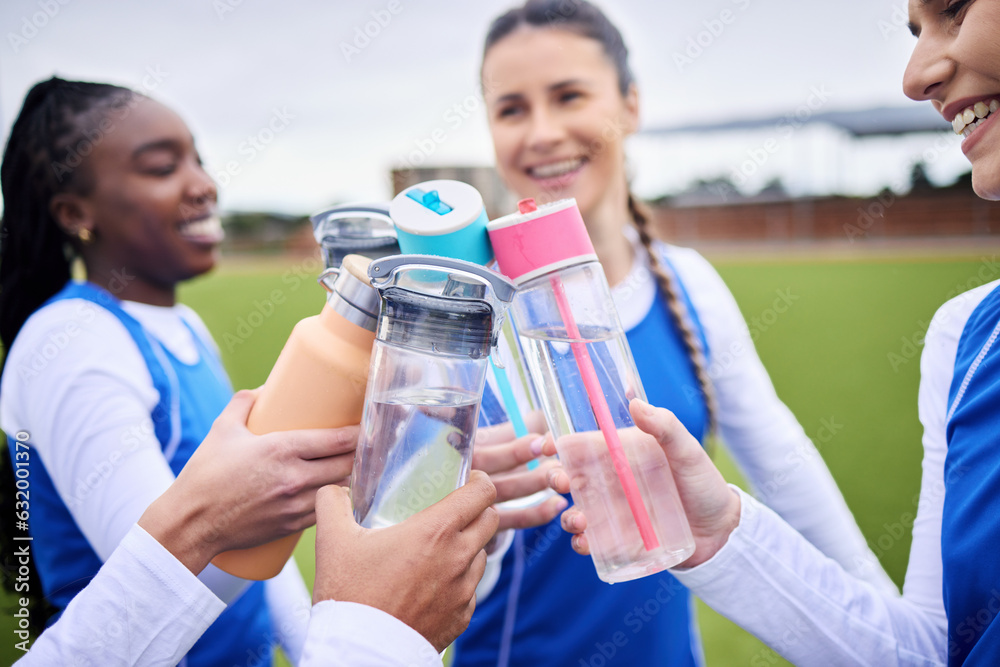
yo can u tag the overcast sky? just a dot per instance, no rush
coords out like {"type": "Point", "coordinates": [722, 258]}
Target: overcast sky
{"type": "Point", "coordinates": [336, 93]}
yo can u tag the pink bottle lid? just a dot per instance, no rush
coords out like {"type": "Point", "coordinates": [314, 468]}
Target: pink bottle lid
{"type": "Point", "coordinates": [540, 239]}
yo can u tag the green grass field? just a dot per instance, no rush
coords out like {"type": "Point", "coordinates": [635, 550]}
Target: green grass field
{"type": "Point", "coordinates": [840, 338]}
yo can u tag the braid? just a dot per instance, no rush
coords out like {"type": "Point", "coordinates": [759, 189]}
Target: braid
{"type": "Point", "coordinates": [640, 216]}
{"type": "Point", "coordinates": [48, 141]}
{"type": "Point", "coordinates": [54, 131]}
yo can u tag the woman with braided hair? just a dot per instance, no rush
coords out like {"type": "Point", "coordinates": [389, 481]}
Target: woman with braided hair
{"type": "Point", "coordinates": [109, 385]}
{"type": "Point", "coordinates": [561, 99]}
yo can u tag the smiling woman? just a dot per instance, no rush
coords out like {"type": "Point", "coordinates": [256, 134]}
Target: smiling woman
{"type": "Point", "coordinates": [561, 101]}
{"type": "Point", "coordinates": [956, 66]}
{"type": "Point", "coordinates": [132, 380]}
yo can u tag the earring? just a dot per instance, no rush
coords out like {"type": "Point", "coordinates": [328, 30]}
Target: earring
{"type": "Point", "coordinates": [85, 235]}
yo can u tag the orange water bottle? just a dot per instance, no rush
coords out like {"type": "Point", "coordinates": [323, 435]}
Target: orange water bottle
{"type": "Point", "coordinates": [318, 381]}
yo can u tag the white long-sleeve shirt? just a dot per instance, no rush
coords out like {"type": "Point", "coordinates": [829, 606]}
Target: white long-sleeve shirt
{"type": "Point", "coordinates": [144, 607]}
{"type": "Point", "coordinates": [816, 613]}
{"type": "Point", "coordinates": [76, 382]}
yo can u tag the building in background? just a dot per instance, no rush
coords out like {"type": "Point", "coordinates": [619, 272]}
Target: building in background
{"type": "Point", "coordinates": [717, 213]}
{"type": "Point", "coordinates": [721, 210]}
{"type": "Point", "coordinates": [715, 205]}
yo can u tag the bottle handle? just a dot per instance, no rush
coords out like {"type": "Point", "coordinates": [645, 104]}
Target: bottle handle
{"type": "Point", "coordinates": [381, 269]}
{"type": "Point", "coordinates": [495, 358]}
{"type": "Point", "coordinates": [328, 278]}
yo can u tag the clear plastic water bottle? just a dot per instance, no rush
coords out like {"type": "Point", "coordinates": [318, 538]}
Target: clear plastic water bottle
{"type": "Point", "coordinates": [585, 375]}
{"type": "Point", "coordinates": [438, 324]}
{"type": "Point", "coordinates": [447, 218]}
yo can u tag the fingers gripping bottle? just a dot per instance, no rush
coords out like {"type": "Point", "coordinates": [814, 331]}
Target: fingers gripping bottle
{"type": "Point", "coordinates": [437, 326]}
{"type": "Point", "coordinates": [318, 381]}
{"type": "Point", "coordinates": [447, 218]}
{"type": "Point", "coordinates": [583, 369]}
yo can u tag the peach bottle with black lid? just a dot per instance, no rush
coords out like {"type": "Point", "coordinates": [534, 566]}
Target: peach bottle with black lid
{"type": "Point", "coordinates": [318, 381]}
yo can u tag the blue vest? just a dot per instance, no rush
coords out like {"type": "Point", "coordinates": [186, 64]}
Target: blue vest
{"type": "Point", "coordinates": [970, 531]}
{"type": "Point", "coordinates": [191, 397]}
{"type": "Point", "coordinates": [549, 607]}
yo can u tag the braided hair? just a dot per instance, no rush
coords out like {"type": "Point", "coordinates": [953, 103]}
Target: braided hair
{"type": "Point", "coordinates": [586, 20]}
{"type": "Point", "coordinates": [665, 279]}
{"type": "Point", "coordinates": [55, 131]}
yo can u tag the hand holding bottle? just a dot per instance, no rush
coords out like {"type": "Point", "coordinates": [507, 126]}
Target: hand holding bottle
{"type": "Point", "coordinates": [423, 570]}
{"type": "Point", "coordinates": [505, 459]}
{"type": "Point", "coordinates": [240, 489]}
{"type": "Point", "coordinates": [713, 510]}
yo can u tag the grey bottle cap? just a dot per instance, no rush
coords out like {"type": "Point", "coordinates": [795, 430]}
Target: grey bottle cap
{"type": "Point", "coordinates": [360, 228]}
{"type": "Point", "coordinates": [439, 304]}
{"type": "Point", "coordinates": [351, 293]}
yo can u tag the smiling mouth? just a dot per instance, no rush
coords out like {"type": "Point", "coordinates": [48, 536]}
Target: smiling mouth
{"type": "Point", "coordinates": [205, 230]}
{"type": "Point", "coordinates": [966, 122]}
{"type": "Point", "coordinates": [556, 169]}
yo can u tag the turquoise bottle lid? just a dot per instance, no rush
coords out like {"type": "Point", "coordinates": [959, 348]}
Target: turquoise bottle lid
{"type": "Point", "coordinates": [443, 218]}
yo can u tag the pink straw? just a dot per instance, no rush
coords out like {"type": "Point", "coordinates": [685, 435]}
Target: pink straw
{"type": "Point", "coordinates": [604, 419]}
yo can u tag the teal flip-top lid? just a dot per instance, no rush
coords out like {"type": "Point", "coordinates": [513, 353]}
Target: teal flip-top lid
{"type": "Point", "coordinates": [443, 218]}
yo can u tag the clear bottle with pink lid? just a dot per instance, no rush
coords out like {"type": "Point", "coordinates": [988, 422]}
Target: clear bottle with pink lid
{"type": "Point", "coordinates": [582, 367]}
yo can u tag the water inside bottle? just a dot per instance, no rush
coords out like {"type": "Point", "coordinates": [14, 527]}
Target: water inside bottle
{"type": "Point", "coordinates": [615, 543]}
{"type": "Point", "coordinates": [617, 548]}
{"type": "Point", "coordinates": [418, 446]}
{"type": "Point", "coordinates": [548, 353]}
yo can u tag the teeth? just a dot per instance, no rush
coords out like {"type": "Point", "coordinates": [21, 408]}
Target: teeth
{"type": "Point", "coordinates": [209, 228]}
{"type": "Point", "coordinates": [972, 126]}
{"type": "Point", "coordinates": [556, 168]}
{"type": "Point", "coordinates": [971, 117]}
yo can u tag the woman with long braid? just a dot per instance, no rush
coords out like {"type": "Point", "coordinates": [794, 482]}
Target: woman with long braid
{"type": "Point", "coordinates": [560, 100]}
{"type": "Point", "coordinates": [109, 383]}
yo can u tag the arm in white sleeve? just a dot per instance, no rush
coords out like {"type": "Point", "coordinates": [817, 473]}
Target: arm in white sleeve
{"type": "Point", "coordinates": [772, 582]}
{"type": "Point", "coordinates": [816, 614]}
{"type": "Point", "coordinates": [142, 608]}
{"type": "Point", "coordinates": [289, 602]}
{"type": "Point", "coordinates": [347, 634]}
{"type": "Point", "coordinates": [87, 411]}
{"type": "Point", "coordinates": [770, 447]}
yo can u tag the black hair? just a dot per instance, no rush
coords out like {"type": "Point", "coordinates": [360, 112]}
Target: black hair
{"type": "Point", "coordinates": [56, 129]}
{"type": "Point", "coordinates": [584, 19]}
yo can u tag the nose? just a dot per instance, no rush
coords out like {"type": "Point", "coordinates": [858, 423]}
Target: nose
{"type": "Point", "coordinates": [545, 130]}
{"type": "Point", "coordinates": [929, 70]}
{"type": "Point", "coordinates": [201, 187]}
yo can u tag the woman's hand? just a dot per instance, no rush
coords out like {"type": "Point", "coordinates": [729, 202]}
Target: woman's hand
{"type": "Point", "coordinates": [712, 509]}
{"type": "Point", "coordinates": [504, 458]}
{"type": "Point", "coordinates": [240, 490]}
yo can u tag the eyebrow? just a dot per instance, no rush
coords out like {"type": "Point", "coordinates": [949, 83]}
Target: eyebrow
{"type": "Point", "coordinates": [513, 97]}
{"type": "Point", "coordinates": [567, 83]}
{"type": "Point", "coordinates": [159, 145]}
